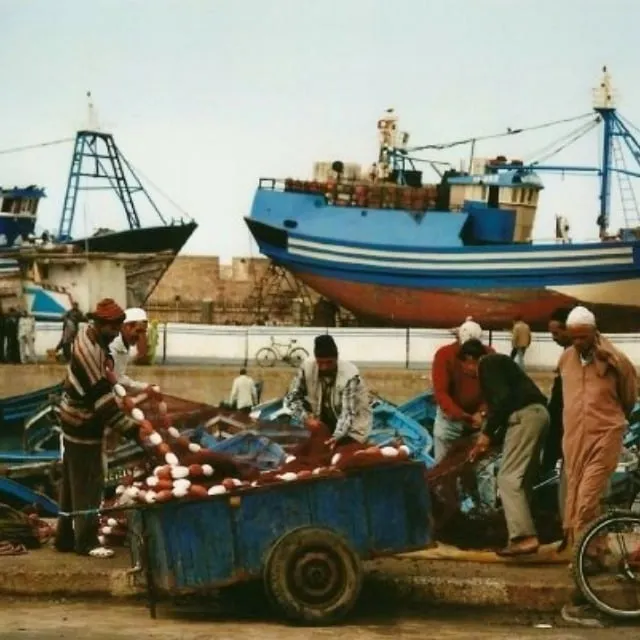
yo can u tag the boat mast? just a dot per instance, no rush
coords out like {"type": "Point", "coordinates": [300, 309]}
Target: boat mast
{"type": "Point", "coordinates": [97, 158]}
{"type": "Point", "coordinates": [603, 105]}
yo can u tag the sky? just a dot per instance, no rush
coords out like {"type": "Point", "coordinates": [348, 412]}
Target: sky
{"type": "Point", "coordinates": [204, 97]}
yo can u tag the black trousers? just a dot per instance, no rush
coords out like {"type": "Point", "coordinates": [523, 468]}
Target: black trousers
{"type": "Point", "coordinates": [81, 489]}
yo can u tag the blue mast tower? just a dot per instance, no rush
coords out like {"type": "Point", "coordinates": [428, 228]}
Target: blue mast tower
{"type": "Point", "coordinates": [615, 133]}
{"type": "Point", "coordinates": [96, 157]}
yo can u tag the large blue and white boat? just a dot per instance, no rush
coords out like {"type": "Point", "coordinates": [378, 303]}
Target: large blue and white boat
{"type": "Point", "coordinates": [395, 251]}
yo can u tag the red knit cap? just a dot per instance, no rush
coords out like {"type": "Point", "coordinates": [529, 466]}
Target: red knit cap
{"type": "Point", "coordinates": [108, 310]}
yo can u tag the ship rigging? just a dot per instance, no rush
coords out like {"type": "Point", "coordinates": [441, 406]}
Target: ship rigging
{"type": "Point", "coordinates": [617, 138]}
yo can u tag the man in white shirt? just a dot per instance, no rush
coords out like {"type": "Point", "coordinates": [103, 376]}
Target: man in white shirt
{"type": "Point", "coordinates": [134, 325]}
{"type": "Point", "coordinates": [243, 392]}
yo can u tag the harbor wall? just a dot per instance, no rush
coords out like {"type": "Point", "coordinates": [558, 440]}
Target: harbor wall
{"type": "Point", "coordinates": [203, 345]}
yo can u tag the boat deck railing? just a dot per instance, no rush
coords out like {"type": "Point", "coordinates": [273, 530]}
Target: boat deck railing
{"type": "Point", "coordinates": [359, 193]}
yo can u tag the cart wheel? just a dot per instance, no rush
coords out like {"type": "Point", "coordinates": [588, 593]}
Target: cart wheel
{"type": "Point", "coordinates": [313, 576]}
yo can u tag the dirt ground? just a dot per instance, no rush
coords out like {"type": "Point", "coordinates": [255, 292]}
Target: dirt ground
{"type": "Point", "coordinates": [103, 620]}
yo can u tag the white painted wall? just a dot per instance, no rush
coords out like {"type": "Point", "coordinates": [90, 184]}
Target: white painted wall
{"type": "Point", "coordinates": [412, 348]}
{"type": "Point", "coordinates": [90, 282]}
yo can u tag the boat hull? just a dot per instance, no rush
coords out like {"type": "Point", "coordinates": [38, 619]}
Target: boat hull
{"type": "Point", "coordinates": [432, 308]}
{"type": "Point", "coordinates": [438, 287]}
{"type": "Point", "coordinates": [144, 240]}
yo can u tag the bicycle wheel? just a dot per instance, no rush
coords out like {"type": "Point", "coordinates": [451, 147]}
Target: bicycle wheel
{"type": "Point", "coordinates": [614, 586]}
{"type": "Point", "coordinates": [298, 356]}
{"type": "Point", "coordinates": [266, 357]}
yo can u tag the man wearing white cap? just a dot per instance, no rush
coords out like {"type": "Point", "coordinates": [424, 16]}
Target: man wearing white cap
{"type": "Point", "coordinates": [599, 391]}
{"type": "Point", "coordinates": [457, 391]}
{"type": "Point", "coordinates": [134, 325]}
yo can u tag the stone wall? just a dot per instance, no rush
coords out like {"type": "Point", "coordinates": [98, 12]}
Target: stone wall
{"type": "Point", "coordinates": [202, 289]}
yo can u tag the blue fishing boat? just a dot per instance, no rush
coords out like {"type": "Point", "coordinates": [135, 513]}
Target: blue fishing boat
{"type": "Point", "coordinates": [395, 251]}
{"type": "Point", "coordinates": [97, 163]}
{"type": "Point", "coordinates": [18, 216]}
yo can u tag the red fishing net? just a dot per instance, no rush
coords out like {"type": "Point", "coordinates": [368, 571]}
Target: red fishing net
{"type": "Point", "coordinates": [455, 479]}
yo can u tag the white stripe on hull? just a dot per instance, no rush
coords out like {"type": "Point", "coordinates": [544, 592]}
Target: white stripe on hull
{"type": "Point", "coordinates": [528, 265]}
{"type": "Point", "coordinates": [554, 252]}
{"type": "Point", "coordinates": [623, 292]}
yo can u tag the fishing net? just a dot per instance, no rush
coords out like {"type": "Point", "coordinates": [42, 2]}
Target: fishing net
{"type": "Point", "coordinates": [17, 529]}
{"type": "Point", "coordinates": [184, 414]}
{"type": "Point", "coordinates": [453, 484]}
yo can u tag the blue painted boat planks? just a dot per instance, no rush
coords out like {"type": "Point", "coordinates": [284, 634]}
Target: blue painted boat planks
{"type": "Point", "coordinates": [225, 539]}
{"type": "Point", "coordinates": [18, 491]}
{"type": "Point", "coordinates": [23, 406]}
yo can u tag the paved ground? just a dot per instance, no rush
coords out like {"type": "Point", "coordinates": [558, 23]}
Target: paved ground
{"type": "Point", "coordinates": [28, 620]}
{"type": "Point", "coordinates": [438, 576]}
{"type": "Point", "coordinates": [212, 384]}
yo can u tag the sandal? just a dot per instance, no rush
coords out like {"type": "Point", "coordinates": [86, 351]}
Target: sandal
{"type": "Point", "coordinates": [9, 549]}
{"type": "Point", "coordinates": [102, 553]}
{"type": "Point", "coordinates": [515, 549]}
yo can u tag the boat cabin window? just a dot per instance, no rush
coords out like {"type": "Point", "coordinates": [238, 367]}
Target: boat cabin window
{"type": "Point", "coordinates": [7, 205]}
{"type": "Point", "coordinates": [514, 195]}
{"type": "Point", "coordinates": [494, 197]}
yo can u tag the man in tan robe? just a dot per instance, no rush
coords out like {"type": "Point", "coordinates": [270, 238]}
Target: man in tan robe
{"type": "Point", "coordinates": [599, 391]}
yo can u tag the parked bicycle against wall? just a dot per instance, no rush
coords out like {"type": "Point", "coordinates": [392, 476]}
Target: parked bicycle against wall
{"type": "Point", "coordinates": [289, 353]}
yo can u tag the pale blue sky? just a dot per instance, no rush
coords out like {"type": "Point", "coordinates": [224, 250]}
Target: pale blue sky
{"type": "Point", "coordinates": [205, 96]}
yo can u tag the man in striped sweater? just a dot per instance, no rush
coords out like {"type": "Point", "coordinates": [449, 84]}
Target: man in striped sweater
{"type": "Point", "coordinates": [88, 407]}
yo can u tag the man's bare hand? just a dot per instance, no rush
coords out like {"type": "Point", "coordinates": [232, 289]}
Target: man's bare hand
{"type": "Point", "coordinates": [477, 419]}
{"type": "Point", "coordinates": [312, 423]}
{"type": "Point", "coordinates": [480, 448]}
{"type": "Point", "coordinates": [331, 443]}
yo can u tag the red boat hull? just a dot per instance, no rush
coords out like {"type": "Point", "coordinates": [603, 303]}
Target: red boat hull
{"type": "Point", "coordinates": [437, 308]}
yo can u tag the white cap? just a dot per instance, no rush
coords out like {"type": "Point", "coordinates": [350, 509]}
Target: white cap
{"type": "Point", "coordinates": [581, 316]}
{"type": "Point", "coordinates": [135, 314]}
{"type": "Point", "coordinates": [469, 330]}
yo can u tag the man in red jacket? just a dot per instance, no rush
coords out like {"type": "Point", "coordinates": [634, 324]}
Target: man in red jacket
{"type": "Point", "coordinates": [457, 391]}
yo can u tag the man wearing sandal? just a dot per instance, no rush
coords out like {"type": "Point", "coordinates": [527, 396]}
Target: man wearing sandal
{"type": "Point", "coordinates": [599, 388]}
{"type": "Point", "coordinates": [87, 408]}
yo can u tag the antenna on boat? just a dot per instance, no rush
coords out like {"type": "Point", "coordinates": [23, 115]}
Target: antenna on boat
{"type": "Point", "coordinates": [92, 115]}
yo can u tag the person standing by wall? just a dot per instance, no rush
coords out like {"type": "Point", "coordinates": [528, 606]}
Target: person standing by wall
{"type": "Point", "coordinates": [27, 337]}
{"type": "Point", "coordinates": [11, 332]}
{"type": "Point", "coordinates": [70, 323]}
{"type": "Point", "coordinates": [243, 392]}
{"type": "Point", "coordinates": [520, 340]}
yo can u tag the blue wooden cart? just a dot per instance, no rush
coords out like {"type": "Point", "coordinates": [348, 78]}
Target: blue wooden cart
{"type": "Point", "coordinates": [305, 540]}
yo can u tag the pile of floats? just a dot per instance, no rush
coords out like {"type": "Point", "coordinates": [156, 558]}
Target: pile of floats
{"type": "Point", "coordinates": [178, 469]}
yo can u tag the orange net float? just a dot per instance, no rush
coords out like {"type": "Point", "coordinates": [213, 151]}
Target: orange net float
{"type": "Point", "coordinates": [197, 491]}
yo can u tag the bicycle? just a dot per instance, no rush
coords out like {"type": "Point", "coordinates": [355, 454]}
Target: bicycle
{"type": "Point", "coordinates": [294, 355]}
{"type": "Point", "coordinates": [614, 586]}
